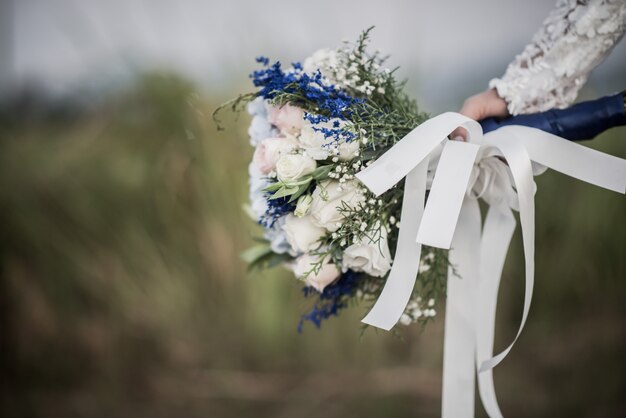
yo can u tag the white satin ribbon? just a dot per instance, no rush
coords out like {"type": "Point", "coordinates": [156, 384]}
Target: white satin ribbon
{"type": "Point", "coordinates": [402, 161]}
{"type": "Point", "coordinates": [459, 344]}
{"type": "Point", "coordinates": [397, 291]}
{"type": "Point", "coordinates": [471, 301]}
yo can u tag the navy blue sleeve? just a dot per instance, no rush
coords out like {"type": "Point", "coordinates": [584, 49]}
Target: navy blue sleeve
{"type": "Point", "coordinates": [579, 122]}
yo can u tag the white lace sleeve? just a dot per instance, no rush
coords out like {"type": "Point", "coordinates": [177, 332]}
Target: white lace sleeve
{"type": "Point", "coordinates": [574, 39]}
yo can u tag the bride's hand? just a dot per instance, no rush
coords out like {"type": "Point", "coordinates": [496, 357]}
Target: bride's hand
{"type": "Point", "coordinates": [480, 106]}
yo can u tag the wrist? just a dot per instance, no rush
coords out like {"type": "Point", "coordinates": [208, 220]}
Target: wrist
{"type": "Point", "coordinates": [500, 107]}
{"type": "Point", "coordinates": [503, 91]}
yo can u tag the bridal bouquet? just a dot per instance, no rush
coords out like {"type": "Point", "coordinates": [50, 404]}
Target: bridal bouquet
{"type": "Point", "coordinates": [314, 126]}
{"type": "Point", "coordinates": [341, 153]}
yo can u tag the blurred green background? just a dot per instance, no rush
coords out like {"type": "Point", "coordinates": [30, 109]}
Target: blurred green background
{"type": "Point", "coordinates": [121, 289]}
{"type": "Point", "coordinates": [122, 294]}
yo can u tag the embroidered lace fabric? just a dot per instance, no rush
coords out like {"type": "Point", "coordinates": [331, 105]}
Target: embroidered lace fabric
{"type": "Point", "coordinates": [574, 39]}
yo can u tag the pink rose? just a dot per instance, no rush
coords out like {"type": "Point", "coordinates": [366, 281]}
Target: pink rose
{"type": "Point", "coordinates": [288, 119]}
{"type": "Point", "coordinates": [269, 151]}
{"type": "Point", "coordinates": [328, 272]}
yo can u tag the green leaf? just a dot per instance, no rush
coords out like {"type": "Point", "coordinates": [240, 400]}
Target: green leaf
{"type": "Point", "coordinates": [273, 187]}
{"type": "Point", "coordinates": [303, 188]}
{"type": "Point", "coordinates": [269, 260]}
{"type": "Point", "coordinates": [303, 180]}
{"type": "Point", "coordinates": [283, 192]}
{"type": "Point", "coordinates": [275, 259]}
{"type": "Point", "coordinates": [322, 172]}
{"type": "Point", "coordinates": [252, 254]}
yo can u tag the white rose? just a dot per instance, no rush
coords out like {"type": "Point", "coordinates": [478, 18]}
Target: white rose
{"type": "Point", "coordinates": [370, 254]}
{"type": "Point", "coordinates": [291, 167]}
{"type": "Point", "coordinates": [313, 142]}
{"type": "Point", "coordinates": [270, 150]}
{"type": "Point", "coordinates": [329, 197]}
{"type": "Point", "coordinates": [317, 145]}
{"type": "Point", "coordinates": [302, 233]}
{"type": "Point", "coordinates": [303, 205]}
{"type": "Point", "coordinates": [327, 274]}
{"type": "Point", "coordinates": [348, 150]}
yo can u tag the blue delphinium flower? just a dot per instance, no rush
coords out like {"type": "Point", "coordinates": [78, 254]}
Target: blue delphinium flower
{"type": "Point", "coordinates": [332, 102]}
{"type": "Point", "coordinates": [263, 60]}
{"type": "Point", "coordinates": [275, 209]}
{"type": "Point", "coordinates": [333, 299]}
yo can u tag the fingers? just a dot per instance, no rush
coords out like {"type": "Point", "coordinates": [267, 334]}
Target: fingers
{"type": "Point", "coordinates": [459, 134]}
{"type": "Point", "coordinates": [473, 108]}
{"type": "Point", "coordinates": [481, 106]}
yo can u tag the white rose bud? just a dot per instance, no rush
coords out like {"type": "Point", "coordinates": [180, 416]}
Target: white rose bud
{"type": "Point", "coordinates": [327, 274]}
{"type": "Point", "coordinates": [329, 197]}
{"type": "Point", "coordinates": [291, 167]}
{"type": "Point", "coordinates": [302, 233]}
{"type": "Point", "coordinates": [303, 205]}
{"type": "Point", "coordinates": [370, 254]}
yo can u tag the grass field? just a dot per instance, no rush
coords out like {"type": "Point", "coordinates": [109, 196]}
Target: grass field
{"type": "Point", "coordinates": [122, 294]}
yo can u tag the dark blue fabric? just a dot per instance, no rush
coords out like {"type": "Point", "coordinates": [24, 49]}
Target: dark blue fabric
{"type": "Point", "coordinates": [579, 122]}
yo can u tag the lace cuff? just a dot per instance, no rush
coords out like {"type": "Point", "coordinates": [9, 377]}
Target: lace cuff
{"type": "Point", "coordinates": [573, 40]}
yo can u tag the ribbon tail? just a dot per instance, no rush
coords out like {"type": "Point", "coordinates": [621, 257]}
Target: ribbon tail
{"type": "Point", "coordinates": [447, 193]}
{"type": "Point", "coordinates": [567, 157]}
{"type": "Point", "coordinates": [399, 286]}
{"type": "Point", "coordinates": [496, 238]}
{"type": "Point", "coordinates": [459, 368]}
{"type": "Point", "coordinates": [387, 170]}
{"type": "Point", "coordinates": [519, 162]}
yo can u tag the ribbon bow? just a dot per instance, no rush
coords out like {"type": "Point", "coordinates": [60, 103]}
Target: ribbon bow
{"type": "Point", "coordinates": [451, 220]}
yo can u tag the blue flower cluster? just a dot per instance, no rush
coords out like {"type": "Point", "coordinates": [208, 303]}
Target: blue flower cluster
{"type": "Point", "coordinates": [333, 299]}
{"type": "Point", "coordinates": [275, 209]}
{"type": "Point", "coordinates": [332, 101]}
{"type": "Point", "coordinates": [263, 60]}
{"type": "Point", "coordinates": [335, 133]}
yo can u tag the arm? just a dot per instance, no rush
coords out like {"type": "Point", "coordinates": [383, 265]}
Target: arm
{"type": "Point", "coordinates": [574, 39]}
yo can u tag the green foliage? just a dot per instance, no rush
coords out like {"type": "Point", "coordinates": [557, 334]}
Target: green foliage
{"type": "Point", "coordinates": [262, 257]}
{"type": "Point", "coordinates": [236, 105]}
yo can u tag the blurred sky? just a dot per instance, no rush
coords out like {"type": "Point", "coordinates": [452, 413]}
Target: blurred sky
{"type": "Point", "coordinates": [447, 49]}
